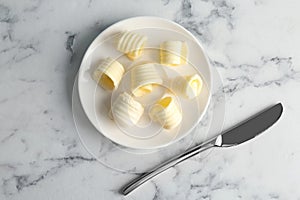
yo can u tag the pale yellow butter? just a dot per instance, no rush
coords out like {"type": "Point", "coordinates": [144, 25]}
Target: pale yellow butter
{"type": "Point", "coordinates": [132, 44]}
{"type": "Point", "coordinates": [109, 74]}
{"type": "Point", "coordinates": [166, 112]}
{"type": "Point", "coordinates": [173, 53]}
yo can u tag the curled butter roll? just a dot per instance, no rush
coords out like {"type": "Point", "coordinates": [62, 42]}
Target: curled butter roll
{"type": "Point", "coordinates": [109, 74]}
{"type": "Point", "coordinates": [173, 53]}
{"type": "Point", "coordinates": [131, 44]}
{"type": "Point", "coordinates": [166, 112]}
{"type": "Point", "coordinates": [126, 111]}
{"type": "Point", "coordinates": [187, 86]}
{"type": "Point", "coordinates": [142, 79]}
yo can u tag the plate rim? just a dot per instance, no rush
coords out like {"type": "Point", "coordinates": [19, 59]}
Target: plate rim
{"type": "Point", "coordinates": [210, 83]}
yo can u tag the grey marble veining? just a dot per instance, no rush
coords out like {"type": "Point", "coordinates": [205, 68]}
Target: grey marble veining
{"type": "Point", "coordinates": [252, 43]}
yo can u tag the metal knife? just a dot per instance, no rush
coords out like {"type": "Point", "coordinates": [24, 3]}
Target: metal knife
{"type": "Point", "coordinates": [243, 132]}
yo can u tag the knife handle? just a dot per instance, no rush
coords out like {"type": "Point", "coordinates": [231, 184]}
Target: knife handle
{"type": "Point", "coordinates": [135, 183]}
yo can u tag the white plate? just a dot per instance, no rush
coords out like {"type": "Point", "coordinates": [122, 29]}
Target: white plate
{"type": "Point", "coordinates": [96, 102]}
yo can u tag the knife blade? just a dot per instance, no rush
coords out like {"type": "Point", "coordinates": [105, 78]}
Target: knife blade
{"type": "Point", "coordinates": [252, 127]}
{"type": "Point", "coordinates": [243, 132]}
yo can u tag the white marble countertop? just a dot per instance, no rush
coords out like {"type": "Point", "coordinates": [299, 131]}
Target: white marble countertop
{"type": "Point", "coordinates": [253, 43]}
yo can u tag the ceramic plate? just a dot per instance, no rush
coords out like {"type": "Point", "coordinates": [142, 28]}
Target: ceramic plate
{"type": "Point", "coordinates": [96, 102]}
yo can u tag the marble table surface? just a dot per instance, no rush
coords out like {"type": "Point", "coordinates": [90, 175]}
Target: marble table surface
{"type": "Point", "coordinates": [254, 44]}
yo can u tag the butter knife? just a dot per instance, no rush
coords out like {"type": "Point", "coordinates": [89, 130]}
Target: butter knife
{"type": "Point", "coordinates": [243, 132]}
